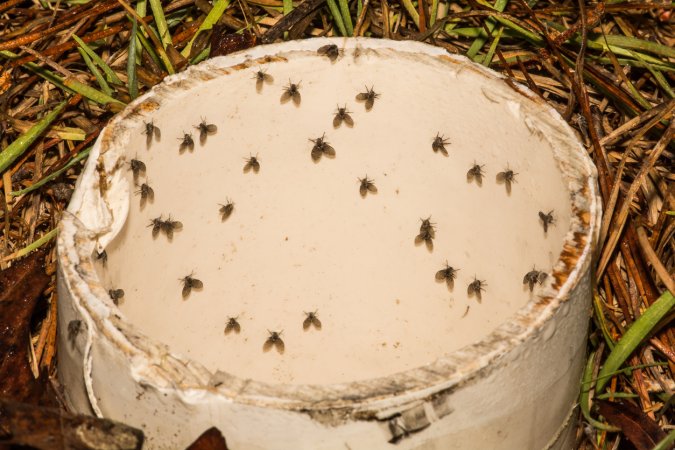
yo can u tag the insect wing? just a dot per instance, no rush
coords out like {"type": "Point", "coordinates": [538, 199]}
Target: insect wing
{"type": "Point", "coordinates": [362, 97]}
{"type": "Point", "coordinates": [248, 166]}
{"type": "Point", "coordinates": [328, 150]}
{"type": "Point", "coordinates": [203, 134]}
{"type": "Point", "coordinates": [187, 287]}
{"type": "Point", "coordinates": [226, 210]}
{"type": "Point", "coordinates": [149, 192]}
{"type": "Point", "coordinates": [429, 243]}
{"type": "Point", "coordinates": [157, 132]}
{"type": "Point", "coordinates": [137, 166]}
{"type": "Point", "coordinates": [279, 344]}
{"type": "Point", "coordinates": [259, 82]}
{"type": "Point", "coordinates": [286, 96]}
{"type": "Point", "coordinates": [296, 100]}
{"type": "Point", "coordinates": [337, 120]}
{"type": "Point", "coordinates": [256, 166]}
{"type": "Point", "coordinates": [442, 275]}
{"type": "Point", "coordinates": [269, 343]}
{"type": "Point", "coordinates": [363, 189]}
{"type": "Point", "coordinates": [148, 138]}
{"type": "Point", "coordinates": [372, 188]}
{"type": "Point", "coordinates": [530, 279]}
{"type": "Point", "coordinates": [316, 153]}
{"type": "Point", "coordinates": [307, 322]}
{"type": "Point", "coordinates": [188, 143]}
{"type": "Point", "coordinates": [542, 277]}
{"type": "Point", "coordinates": [197, 284]}
{"type": "Point", "coordinates": [316, 322]}
{"type": "Point", "coordinates": [370, 101]}
{"type": "Point", "coordinates": [348, 120]}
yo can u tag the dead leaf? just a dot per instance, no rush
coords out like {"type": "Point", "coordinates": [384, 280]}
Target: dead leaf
{"type": "Point", "coordinates": [211, 439]}
{"type": "Point", "coordinates": [21, 287]}
{"type": "Point", "coordinates": [643, 432]}
{"type": "Point", "coordinates": [223, 43]}
{"type": "Point", "coordinates": [53, 429]}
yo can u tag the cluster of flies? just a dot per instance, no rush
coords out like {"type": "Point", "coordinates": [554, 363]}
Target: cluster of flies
{"type": "Point", "coordinates": [321, 148]}
{"type": "Point", "coordinates": [448, 273]}
{"type": "Point", "coordinates": [274, 339]}
{"type": "Point", "coordinates": [153, 133]}
{"type": "Point", "coordinates": [476, 173]}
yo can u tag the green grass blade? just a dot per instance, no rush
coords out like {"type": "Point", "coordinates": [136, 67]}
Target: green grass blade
{"type": "Point", "coordinates": [110, 75]}
{"type": "Point", "coordinates": [148, 48]}
{"type": "Point", "coordinates": [482, 38]}
{"type": "Point", "coordinates": [634, 43]}
{"type": "Point", "coordinates": [633, 336]}
{"type": "Point", "coordinates": [585, 396]}
{"type": "Point", "coordinates": [160, 21]}
{"type": "Point", "coordinates": [287, 6]}
{"type": "Point", "coordinates": [80, 156]}
{"type": "Point", "coordinates": [346, 17]}
{"type": "Point", "coordinates": [89, 92]}
{"type": "Point", "coordinates": [666, 443]}
{"type": "Point", "coordinates": [142, 11]}
{"type": "Point", "coordinates": [33, 246]}
{"type": "Point", "coordinates": [68, 85]}
{"type": "Point", "coordinates": [21, 144]}
{"type": "Point", "coordinates": [142, 8]}
{"type": "Point", "coordinates": [493, 47]}
{"type": "Point", "coordinates": [219, 7]}
{"type": "Point", "coordinates": [201, 56]}
{"type": "Point", "coordinates": [132, 80]}
{"type": "Point", "coordinates": [410, 8]}
{"type": "Point", "coordinates": [658, 76]}
{"type": "Point", "coordinates": [600, 322]}
{"type": "Point", "coordinates": [665, 67]}
{"type": "Point", "coordinates": [434, 12]}
{"type": "Point", "coordinates": [337, 17]}
{"type": "Point", "coordinates": [69, 133]}
{"type": "Point", "coordinates": [97, 74]}
{"type": "Point", "coordinates": [607, 395]}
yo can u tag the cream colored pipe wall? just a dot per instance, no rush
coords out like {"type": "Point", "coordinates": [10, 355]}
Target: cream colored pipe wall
{"type": "Point", "coordinates": [486, 395]}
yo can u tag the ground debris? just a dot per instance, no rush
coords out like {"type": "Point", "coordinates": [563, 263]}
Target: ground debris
{"type": "Point", "coordinates": [21, 289]}
{"type": "Point", "coordinates": [54, 429]}
{"type": "Point", "coordinates": [211, 439]}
